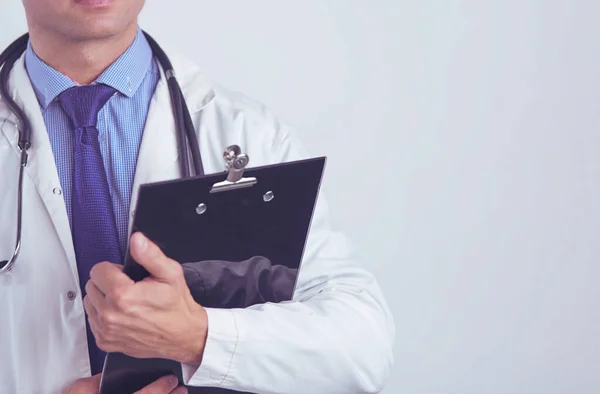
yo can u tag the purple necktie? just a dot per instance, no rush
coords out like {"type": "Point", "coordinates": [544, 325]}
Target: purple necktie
{"type": "Point", "coordinates": [94, 229]}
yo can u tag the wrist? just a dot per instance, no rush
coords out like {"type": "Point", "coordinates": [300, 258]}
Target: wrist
{"type": "Point", "coordinates": [195, 338]}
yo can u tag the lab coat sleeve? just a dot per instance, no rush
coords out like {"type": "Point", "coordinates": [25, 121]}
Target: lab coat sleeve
{"type": "Point", "coordinates": [335, 336]}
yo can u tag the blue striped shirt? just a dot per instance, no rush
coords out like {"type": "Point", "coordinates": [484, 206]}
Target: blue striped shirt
{"type": "Point", "coordinates": [121, 121]}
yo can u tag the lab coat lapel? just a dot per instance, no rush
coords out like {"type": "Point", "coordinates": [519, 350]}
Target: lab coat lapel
{"type": "Point", "coordinates": [158, 158]}
{"type": "Point", "coordinates": [158, 155]}
{"type": "Point", "coordinates": [41, 167]}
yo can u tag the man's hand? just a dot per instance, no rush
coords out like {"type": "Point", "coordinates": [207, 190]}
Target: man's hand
{"type": "Point", "coordinates": [154, 318]}
{"type": "Point", "coordinates": [91, 385]}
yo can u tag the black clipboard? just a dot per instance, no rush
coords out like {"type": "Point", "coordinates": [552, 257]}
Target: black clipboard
{"type": "Point", "coordinates": [235, 216]}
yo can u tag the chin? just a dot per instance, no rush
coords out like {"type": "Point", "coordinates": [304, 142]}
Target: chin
{"type": "Point", "coordinates": [100, 29]}
{"type": "Point", "coordinates": [98, 23]}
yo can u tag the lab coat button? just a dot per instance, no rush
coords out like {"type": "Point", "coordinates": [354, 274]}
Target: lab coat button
{"type": "Point", "coordinates": [71, 295]}
{"type": "Point", "coordinates": [57, 191]}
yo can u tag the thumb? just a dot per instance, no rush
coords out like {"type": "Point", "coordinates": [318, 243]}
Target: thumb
{"type": "Point", "coordinates": [147, 254]}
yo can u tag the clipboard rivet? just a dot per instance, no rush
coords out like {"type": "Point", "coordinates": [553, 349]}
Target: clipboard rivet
{"type": "Point", "coordinates": [268, 196]}
{"type": "Point", "coordinates": [201, 208]}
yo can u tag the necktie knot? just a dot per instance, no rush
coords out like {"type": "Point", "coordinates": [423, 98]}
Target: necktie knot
{"type": "Point", "coordinates": [83, 103]}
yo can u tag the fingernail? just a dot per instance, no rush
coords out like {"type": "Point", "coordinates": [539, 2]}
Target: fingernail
{"type": "Point", "coordinates": [173, 381]}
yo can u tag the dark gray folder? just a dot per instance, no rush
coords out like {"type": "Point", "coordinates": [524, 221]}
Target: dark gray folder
{"type": "Point", "coordinates": [242, 232]}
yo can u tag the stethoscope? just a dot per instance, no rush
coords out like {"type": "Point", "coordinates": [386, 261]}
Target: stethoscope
{"type": "Point", "coordinates": [186, 135]}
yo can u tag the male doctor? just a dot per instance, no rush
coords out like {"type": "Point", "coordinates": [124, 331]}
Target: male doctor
{"type": "Point", "coordinates": [102, 125]}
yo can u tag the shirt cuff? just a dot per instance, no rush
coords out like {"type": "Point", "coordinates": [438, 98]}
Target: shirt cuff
{"type": "Point", "coordinates": [221, 343]}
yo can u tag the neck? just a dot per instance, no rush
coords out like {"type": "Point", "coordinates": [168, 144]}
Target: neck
{"type": "Point", "coordinates": [81, 60]}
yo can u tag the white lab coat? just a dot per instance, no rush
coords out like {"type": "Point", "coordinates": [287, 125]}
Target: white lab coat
{"type": "Point", "coordinates": [335, 337]}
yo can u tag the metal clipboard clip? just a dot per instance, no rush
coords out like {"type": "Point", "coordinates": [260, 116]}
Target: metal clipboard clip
{"type": "Point", "coordinates": [235, 163]}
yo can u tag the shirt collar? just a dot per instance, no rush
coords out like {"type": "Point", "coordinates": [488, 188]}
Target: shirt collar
{"type": "Point", "coordinates": [125, 74]}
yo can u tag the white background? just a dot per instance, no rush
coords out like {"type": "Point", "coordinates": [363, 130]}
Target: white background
{"type": "Point", "coordinates": [463, 141]}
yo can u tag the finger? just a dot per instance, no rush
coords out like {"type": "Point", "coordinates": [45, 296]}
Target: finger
{"type": "Point", "coordinates": [180, 390]}
{"type": "Point", "coordinates": [164, 385]}
{"type": "Point", "coordinates": [108, 277]}
{"type": "Point", "coordinates": [90, 385]}
{"type": "Point", "coordinates": [90, 309]}
{"type": "Point", "coordinates": [95, 382]}
{"type": "Point", "coordinates": [148, 254]}
{"type": "Point", "coordinates": [95, 297]}
{"type": "Point", "coordinates": [93, 316]}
